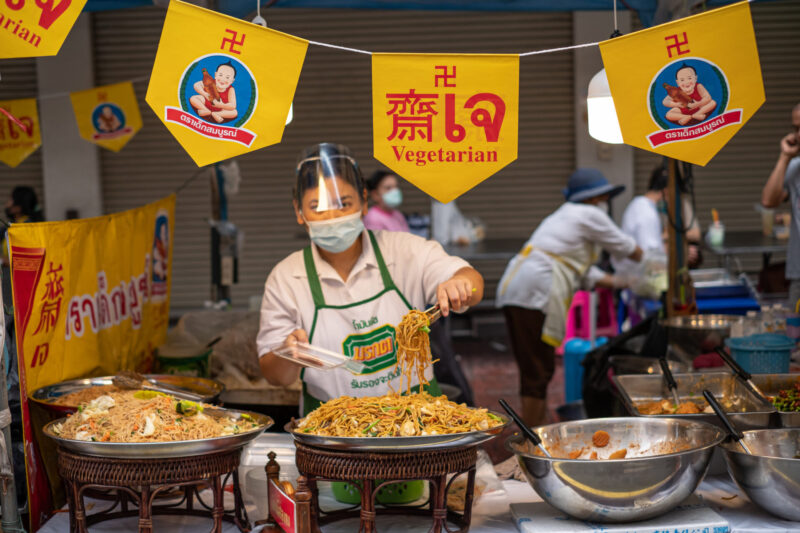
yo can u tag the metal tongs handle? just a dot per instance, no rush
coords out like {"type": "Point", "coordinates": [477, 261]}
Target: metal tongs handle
{"type": "Point", "coordinates": [670, 379]}
{"type": "Point", "coordinates": [526, 431]}
{"type": "Point", "coordinates": [732, 431]}
{"type": "Point", "coordinates": [738, 370]}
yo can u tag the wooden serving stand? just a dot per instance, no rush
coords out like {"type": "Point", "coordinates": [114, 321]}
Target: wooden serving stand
{"type": "Point", "coordinates": [369, 472]}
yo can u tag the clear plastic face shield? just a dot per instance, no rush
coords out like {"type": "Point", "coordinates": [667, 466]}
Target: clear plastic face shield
{"type": "Point", "coordinates": [329, 183]}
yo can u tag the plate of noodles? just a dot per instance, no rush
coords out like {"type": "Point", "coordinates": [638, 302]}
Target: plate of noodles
{"type": "Point", "coordinates": [396, 423]}
{"type": "Point", "coordinates": [147, 424]}
{"type": "Point", "coordinates": [66, 396]}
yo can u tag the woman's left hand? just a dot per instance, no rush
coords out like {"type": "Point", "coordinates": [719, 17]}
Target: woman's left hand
{"type": "Point", "coordinates": [454, 294]}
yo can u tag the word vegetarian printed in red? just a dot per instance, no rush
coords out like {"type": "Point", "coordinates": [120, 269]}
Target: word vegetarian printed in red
{"type": "Point", "coordinates": [416, 115]}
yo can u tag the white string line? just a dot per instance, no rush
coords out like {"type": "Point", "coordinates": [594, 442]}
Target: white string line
{"type": "Point", "coordinates": [561, 49]}
{"type": "Point", "coordinates": [345, 48]}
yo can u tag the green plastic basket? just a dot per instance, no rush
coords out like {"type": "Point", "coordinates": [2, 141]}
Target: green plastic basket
{"type": "Point", "coordinates": [393, 494]}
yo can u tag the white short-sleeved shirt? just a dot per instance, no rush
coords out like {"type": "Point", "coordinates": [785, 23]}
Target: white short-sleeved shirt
{"type": "Point", "coordinates": [641, 221]}
{"type": "Point", "coordinates": [417, 267]}
{"type": "Point", "coordinates": [574, 230]}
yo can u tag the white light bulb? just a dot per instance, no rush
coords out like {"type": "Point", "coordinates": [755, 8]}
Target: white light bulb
{"type": "Point", "coordinates": [603, 123]}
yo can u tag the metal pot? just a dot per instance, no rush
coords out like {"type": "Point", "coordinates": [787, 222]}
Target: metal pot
{"type": "Point", "coordinates": [690, 336]}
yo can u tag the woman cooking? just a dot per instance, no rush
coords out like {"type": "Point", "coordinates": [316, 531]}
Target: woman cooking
{"type": "Point", "coordinates": [539, 282]}
{"type": "Point", "coordinates": [347, 290]}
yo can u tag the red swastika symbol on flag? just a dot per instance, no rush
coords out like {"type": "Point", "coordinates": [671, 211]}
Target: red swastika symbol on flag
{"type": "Point", "coordinates": [677, 44]}
{"type": "Point", "coordinates": [444, 76]}
{"type": "Point", "coordinates": [232, 42]}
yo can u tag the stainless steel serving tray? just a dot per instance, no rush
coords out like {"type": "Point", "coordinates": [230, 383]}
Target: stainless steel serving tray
{"type": "Point", "coordinates": [771, 384]}
{"type": "Point", "coordinates": [750, 411]}
{"type": "Point", "coordinates": [162, 450]}
{"type": "Point", "coordinates": [45, 396]}
{"type": "Point", "coordinates": [398, 444]}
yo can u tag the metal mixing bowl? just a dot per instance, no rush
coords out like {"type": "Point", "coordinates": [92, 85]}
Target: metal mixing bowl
{"type": "Point", "coordinates": [770, 477]}
{"type": "Point", "coordinates": [641, 486]}
{"type": "Point", "coordinates": [690, 336]}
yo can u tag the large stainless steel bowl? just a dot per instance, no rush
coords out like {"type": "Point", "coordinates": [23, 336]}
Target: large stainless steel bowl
{"type": "Point", "coordinates": [770, 477]}
{"type": "Point", "coordinates": [647, 483]}
{"type": "Point", "coordinates": [690, 336]}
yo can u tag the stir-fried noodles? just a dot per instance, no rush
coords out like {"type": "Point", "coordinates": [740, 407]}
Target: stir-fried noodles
{"type": "Point", "coordinates": [145, 416]}
{"type": "Point", "coordinates": [84, 396]}
{"type": "Point", "coordinates": [395, 416]}
{"type": "Point", "coordinates": [413, 348]}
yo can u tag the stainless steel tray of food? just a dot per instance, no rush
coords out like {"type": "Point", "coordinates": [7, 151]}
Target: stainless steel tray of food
{"type": "Point", "coordinates": [398, 444]}
{"type": "Point", "coordinates": [744, 407]}
{"type": "Point", "coordinates": [770, 385]}
{"type": "Point", "coordinates": [163, 450]}
{"type": "Point", "coordinates": [209, 389]}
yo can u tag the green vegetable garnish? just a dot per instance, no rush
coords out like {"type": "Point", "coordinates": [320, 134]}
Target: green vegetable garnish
{"type": "Point", "coordinates": [94, 439]}
{"type": "Point", "coordinates": [308, 430]}
{"type": "Point", "coordinates": [494, 417]}
{"type": "Point", "coordinates": [369, 427]}
{"type": "Point", "coordinates": [245, 416]}
{"type": "Point", "coordinates": [185, 407]}
{"type": "Point", "coordinates": [80, 408]}
{"type": "Point", "coordinates": [147, 394]}
{"type": "Point", "coordinates": [385, 409]}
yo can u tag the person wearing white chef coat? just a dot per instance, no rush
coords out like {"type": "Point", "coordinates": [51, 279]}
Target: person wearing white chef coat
{"type": "Point", "coordinates": [350, 287]}
{"type": "Point", "coordinates": [538, 284]}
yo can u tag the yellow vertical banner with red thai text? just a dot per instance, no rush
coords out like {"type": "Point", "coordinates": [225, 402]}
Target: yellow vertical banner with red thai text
{"type": "Point", "coordinates": [91, 297]}
{"type": "Point", "coordinates": [445, 122]}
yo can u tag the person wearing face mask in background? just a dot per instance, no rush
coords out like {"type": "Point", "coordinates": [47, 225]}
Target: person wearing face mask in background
{"type": "Point", "coordinates": [538, 284]}
{"type": "Point", "coordinates": [350, 287]}
{"type": "Point", "coordinates": [386, 197]}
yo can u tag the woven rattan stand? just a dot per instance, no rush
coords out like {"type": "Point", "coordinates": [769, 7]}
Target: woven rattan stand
{"type": "Point", "coordinates": [138, 482]}
{"type": "Point", "coordinates": [319, 464]}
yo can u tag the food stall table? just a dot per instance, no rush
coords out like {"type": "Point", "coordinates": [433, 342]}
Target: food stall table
{"type": "Point", "coordinates": [490, 515]}
{"type": "Point", "coordinates": [738, 243]}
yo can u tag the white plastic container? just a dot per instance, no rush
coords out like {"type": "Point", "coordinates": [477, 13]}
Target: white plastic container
{"type": "Point", "coordinates": [316, 357]}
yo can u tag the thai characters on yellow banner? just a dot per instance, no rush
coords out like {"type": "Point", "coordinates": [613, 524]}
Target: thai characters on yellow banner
{"type": "Point", "coordinates": [683, 89]}
{"type": "Point", "coordinates": [19, 133]}
{"type": "Point", "coordinates": [108, 115]}
{"type": "Point", "coordinates": [445, 122]}
{"type": "Point", "coordinates": [32, 28]}
{"type": "Point", "coordinates": [225, 90]}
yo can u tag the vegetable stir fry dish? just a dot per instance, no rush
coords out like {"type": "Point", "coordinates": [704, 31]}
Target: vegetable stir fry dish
{"type": "Point", "coordinates": [788, 399]}
{"type": "Point", "coordinates": [395, 416]}
{"type": "Point", "coordinates": [147, 416]}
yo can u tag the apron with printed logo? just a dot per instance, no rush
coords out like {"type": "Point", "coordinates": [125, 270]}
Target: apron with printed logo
{"type": "Point", "coordinates": [363, 331]}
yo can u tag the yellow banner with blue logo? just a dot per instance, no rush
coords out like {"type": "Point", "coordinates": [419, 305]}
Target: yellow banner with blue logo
{"type": "Point", "coordinates": [32, 28]}
{"type": "Point", "coordinates": [107, 116]}
{"type": "Point", "coordinates": [91, 297]}
{"type": "Point", "coordinates": [445, 122]}
{"type": "Point", "coordinates": [20, 135]}
{"type": "Point", "coordinates": [222, 86]}
{"type": "Point", "coordinates": [685, 88]}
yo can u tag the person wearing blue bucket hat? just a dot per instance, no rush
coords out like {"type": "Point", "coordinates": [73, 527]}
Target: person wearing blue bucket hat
{"type": "Point", "coordinates": [538, 284]}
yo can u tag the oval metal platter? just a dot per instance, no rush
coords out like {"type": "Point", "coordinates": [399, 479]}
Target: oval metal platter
{"type": "Point", "coordinates": [397, 444]}
{"type": "Point", "coordinates": [45, 396]}
{"type": "Point", "coordinates": [163, 450]}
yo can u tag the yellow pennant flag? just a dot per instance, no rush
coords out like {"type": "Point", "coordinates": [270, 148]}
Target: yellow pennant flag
{"type": "Point", "coordinates": [685, 88]}
{"type": "Point", "coordinates": [32, 28]}
{"type": "Point", "coordinates": [221, 85]}
{"type": "Point", "coordinates": [445, 122]}
{"type": "Point", "coordinates": [19, 130]}
{"type": "Point", "coordinates": [108, 115]}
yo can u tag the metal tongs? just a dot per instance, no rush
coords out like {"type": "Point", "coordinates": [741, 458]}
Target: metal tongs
{"type": "Point", "coordinates": [434, 313]}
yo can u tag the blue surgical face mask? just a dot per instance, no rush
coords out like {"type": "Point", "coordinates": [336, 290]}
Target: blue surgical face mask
{"type": "Point", "coordinates": [393, 198]}
{"type": "Point", "coordinates": [337, 234]}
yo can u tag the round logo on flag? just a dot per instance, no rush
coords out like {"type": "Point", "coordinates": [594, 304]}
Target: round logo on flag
{"type": "Point", "coordinates": [687, 92]}
{"type": "Point", "coordinates": [108, 118]}
{"type": "Point", "coordinates": [219, 89]}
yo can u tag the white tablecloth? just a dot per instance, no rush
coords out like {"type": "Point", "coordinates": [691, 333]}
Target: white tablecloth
{"type": "Point", "coordinates": [490, 515]}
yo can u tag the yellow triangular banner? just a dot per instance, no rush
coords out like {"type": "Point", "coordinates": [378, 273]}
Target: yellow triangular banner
{"type": "Point", "coordinates": [16, 142]}
{"type": "Point", "coordinates": [33, 28]}
{"type": "Point", "coordinates": [107, 116]}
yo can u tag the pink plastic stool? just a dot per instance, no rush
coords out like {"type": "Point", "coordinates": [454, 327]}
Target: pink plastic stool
{"type": "Point", "coordinates": [578, 317]}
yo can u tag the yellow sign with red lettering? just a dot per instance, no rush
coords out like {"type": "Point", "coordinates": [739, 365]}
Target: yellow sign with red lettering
{"type": "Point", "coordinates": [108, 115]}
{"type": "Point", "coordinates": [91, 297]}
{"type": "Point", "coordinates": [19, 130]}
{"type": "Point", "coordinates": [223, 86]}
{"type": "Point", "coordinates": [445, 122]}
{"type": "Point", "coordinates": [685, 88]}
{"type": "Point", "coordinates": [33, 28]}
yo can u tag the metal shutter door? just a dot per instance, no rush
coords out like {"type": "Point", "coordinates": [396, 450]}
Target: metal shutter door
{"type": "Point", "coordinates": [19, 81]}
{"type": "Point", "coordinates": [333, 104]}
